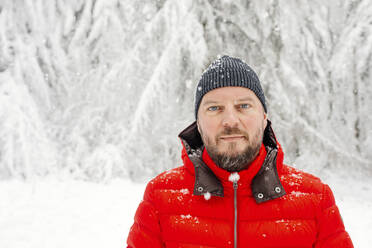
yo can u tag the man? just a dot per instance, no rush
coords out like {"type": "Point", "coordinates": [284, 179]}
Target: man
{"type": "Point", "coordinates": [233, 189]}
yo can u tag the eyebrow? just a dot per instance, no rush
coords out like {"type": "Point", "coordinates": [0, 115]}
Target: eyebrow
{"type": "Point", "coordinates": [248, 98]}
{"type": "Point", "coordinates": [209, 102]}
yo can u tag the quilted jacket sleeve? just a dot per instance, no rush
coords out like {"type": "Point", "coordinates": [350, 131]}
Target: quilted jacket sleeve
{"type": "Point", "coordinates": [331, 230]}
{"type": "Point", "coordinates": [145, 232]}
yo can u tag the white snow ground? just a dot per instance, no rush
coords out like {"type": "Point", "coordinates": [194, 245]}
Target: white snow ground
{"type": "Point", "coordinates": [72, 214]}
{"type": "Point", "coordinates": [67, 214]}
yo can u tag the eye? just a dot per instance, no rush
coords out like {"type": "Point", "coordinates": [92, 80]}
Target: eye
{"type": "Point", "coordinates": [244, 106]}
{"type": "Point", "coordinates": [213, 108]}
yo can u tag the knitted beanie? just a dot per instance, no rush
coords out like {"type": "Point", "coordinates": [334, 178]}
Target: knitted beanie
{"type": "Point", "coordinates": [228, 71]}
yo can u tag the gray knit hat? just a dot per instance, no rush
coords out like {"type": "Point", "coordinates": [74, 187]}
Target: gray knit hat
{"type": "Point", "coordinates": [228, 71]}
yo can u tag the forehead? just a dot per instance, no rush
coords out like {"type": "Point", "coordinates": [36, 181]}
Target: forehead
{"type": "Point", "coordinates": [229, 94]}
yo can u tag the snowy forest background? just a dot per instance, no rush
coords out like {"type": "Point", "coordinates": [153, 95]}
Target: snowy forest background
{"type": "Point", "coordinates": [99, 89]}
{"type": "Point", "coordinates": [93, 94]}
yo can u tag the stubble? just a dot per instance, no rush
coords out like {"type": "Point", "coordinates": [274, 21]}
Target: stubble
{"type": "Point", "coordinates": [231, 160]}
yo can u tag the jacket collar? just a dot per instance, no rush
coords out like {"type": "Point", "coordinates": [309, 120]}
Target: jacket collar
{"type": "Point", "coordinates": [262, 174]}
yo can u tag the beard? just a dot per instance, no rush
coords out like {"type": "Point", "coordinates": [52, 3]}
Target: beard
{"type": "Point", "coordinates": [231, 160]}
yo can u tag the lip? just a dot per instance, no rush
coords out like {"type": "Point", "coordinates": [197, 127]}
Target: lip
{"type": "Point", "coordinates": [231, 138]}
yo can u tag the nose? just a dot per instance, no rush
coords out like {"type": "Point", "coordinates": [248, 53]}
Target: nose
{"type": "Point", "coordinates": [230, 118]}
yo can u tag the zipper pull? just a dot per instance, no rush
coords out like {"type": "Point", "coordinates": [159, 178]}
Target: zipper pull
{"type": "Point", "coordinates": [235, 185]}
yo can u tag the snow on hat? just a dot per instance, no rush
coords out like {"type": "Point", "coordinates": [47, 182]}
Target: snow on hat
{"type": "Point", "coordinates": [228, 71]}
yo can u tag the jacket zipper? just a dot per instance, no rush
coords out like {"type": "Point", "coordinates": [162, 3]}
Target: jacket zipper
{"type": "Point", "coordinates": [235, 186]}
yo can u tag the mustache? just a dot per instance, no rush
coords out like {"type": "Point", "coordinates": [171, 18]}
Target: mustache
{"type": "Point", "coordinates": [232, 131]}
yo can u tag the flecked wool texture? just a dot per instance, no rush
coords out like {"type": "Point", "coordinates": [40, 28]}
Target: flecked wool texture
{"type": "Point", "coordinates": [228, 71]}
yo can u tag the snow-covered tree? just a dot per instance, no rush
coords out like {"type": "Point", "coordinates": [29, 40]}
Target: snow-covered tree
{"type": "Point", "coordinates": [96, 89]}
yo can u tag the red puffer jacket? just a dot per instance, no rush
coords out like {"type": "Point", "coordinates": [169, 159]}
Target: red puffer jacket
{"type": "Point", "coordinates": [267, 205]}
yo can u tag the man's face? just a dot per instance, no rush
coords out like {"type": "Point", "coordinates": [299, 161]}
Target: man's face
{"type": "Point", "coordinates": [231, 121]}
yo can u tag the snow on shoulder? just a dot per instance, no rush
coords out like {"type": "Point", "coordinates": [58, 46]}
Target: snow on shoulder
{"type": "Point", "coordinates": [170, 176]}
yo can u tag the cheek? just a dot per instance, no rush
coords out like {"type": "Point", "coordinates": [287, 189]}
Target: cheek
{"type": "Point", "coordinates": [212, 128]}
{"type": "Point", "coordinates": [253, 124]}
{"type": "Point", "coordinates": [209, 129]}
{"type": "Point", "coordinates": [249, 122]}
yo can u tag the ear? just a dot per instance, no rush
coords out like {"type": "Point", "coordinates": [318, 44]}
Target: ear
{"type": "Point", "coordinates": [197, 124]}
{"type": "Point", "coordinates": [265, 120]}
